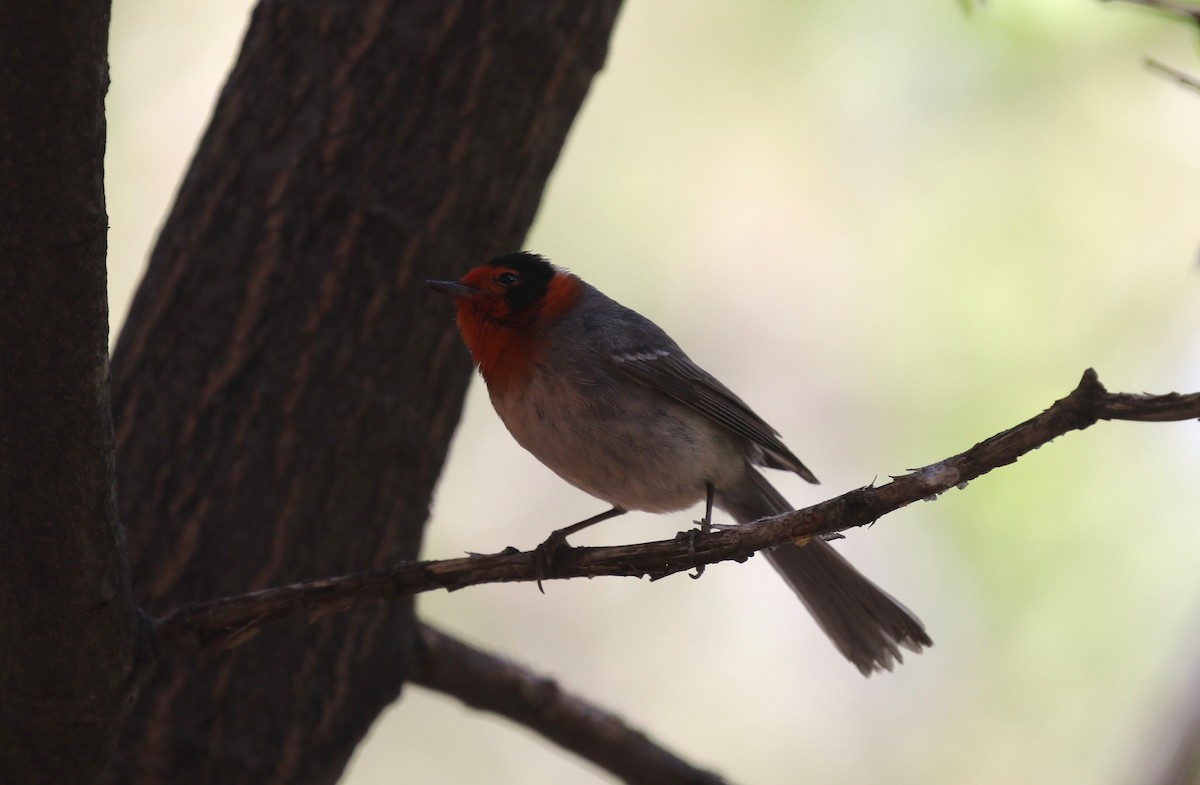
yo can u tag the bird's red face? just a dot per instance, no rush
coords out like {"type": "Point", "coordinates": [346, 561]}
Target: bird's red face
{"type": "Point", "coordinates": [504, 308]}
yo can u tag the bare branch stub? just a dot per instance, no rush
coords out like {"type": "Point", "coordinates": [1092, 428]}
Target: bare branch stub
{"type": "Point", "coordinates": [228, 621]}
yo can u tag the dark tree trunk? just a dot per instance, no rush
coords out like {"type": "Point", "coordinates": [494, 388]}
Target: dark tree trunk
{"type": "Point", "coordinates": [285, 387]}
{"type": "Point", "coordinates": [67, 625]}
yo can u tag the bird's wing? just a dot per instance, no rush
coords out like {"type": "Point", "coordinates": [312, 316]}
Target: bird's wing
{"type": "Point", "coordinates": [672, 372]}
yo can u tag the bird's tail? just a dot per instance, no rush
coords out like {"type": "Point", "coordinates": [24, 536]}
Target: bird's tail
{"type": "Point", "coordinates": [862, 620]}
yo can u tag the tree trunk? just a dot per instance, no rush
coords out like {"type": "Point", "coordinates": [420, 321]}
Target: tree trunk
{"type": "Point", "coordinates": [285, 387]}
{"type": "Point", "coordinates": [67, 624]}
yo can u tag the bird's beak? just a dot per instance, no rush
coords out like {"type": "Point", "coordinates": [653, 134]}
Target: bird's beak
{"type": "Point", "coordinates": [454, 289]}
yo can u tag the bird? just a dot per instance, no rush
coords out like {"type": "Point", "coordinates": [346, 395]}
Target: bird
{"type": "Point", "coordinates": [610, 403]}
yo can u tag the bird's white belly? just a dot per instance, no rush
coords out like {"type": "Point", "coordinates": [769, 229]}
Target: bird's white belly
{"type": "Point", "coordinates": [647, 453]}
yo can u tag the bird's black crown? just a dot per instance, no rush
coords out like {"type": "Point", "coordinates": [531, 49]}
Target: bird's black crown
{"type": "Point", "coordinates": [533, 275]}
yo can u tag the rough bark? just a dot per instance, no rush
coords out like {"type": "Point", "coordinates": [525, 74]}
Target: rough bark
{"type": "Point", "coordinates": [67, 624]}
{"type": "Point", "coordinates": [285, 387]}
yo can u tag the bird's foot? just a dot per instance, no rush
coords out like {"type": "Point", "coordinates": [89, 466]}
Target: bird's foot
{"type": "Point", "coordinates": [690, 536]}
{"type": "Point", "coordinates": [543, 555]}
{"type": "Point", "coordinates": [705, 525]}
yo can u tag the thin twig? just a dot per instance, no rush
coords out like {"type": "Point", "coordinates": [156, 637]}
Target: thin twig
{"type": "Point", "coordinates": [492, 683]}
{"type": "Point", "coordinates": [1187, 80]}
{"type": "Point", "coordinates": [228, 621]}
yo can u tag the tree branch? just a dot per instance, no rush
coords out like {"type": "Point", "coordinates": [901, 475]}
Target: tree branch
{"type": "Point", "coordinates": [227, 622]}
{"type": "Point", "coordinates": [486, 681]}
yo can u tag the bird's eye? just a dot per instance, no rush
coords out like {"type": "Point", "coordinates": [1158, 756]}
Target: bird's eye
{"type": "Point", "coordinates": [508, 278]}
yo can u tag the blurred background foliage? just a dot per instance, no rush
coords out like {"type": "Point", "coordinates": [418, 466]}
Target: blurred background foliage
{"type": "Point", "coordinates": [895, 228]}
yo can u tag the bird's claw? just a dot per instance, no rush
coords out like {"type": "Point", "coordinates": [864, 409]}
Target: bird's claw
{"type": "Point", "coordinates": [543, 555]}
{"type": "Point", "coordinates": [690, 536]}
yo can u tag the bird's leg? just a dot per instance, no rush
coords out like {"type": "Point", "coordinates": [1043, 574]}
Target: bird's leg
{"type": "Point", "coordinates": [705, 524]}
{"type": "Point", "coordinates": [543, 554]}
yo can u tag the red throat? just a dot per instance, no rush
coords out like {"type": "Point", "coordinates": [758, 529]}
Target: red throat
{"type": "Point", "coordinates": [507, 343]}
